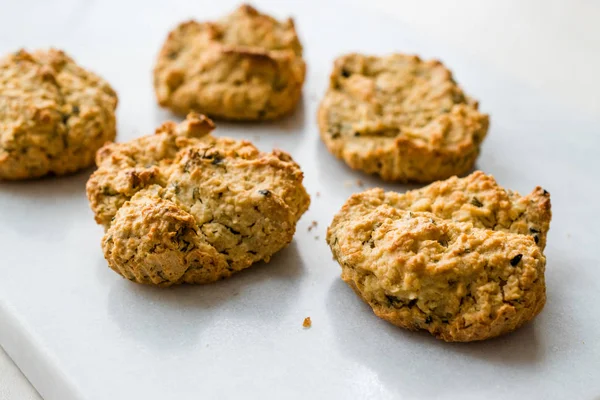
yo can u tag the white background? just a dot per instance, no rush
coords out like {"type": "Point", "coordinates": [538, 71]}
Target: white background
{"type": "Point", "coordinates": [543, 57]}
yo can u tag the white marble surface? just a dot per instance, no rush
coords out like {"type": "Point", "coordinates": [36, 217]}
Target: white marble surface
{"type": "Point", "coordinates": [544, 57]}
{"type": "Point", "coordinates": [13, 384]}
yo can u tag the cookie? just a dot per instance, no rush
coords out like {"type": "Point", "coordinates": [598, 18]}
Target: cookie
{"type": "Point", "coordinates": [462, 258]}
{"type": "Point", "coordinates": [401, 118]}
{"type": "Point", "coordinates": [183, 206]}
{"type": "Point", "coordinates": [246, 66]}
{"type": "Point", "coordinates": [54, 115]}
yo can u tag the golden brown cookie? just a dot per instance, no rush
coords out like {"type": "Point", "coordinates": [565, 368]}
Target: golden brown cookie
{"type": "Point", "coordinates": [246, 66]}
{"type": "Point", "coordinates": [400, 117]}
{"type": "Point", "coordinates": [54, 115]}
{"type": "Point", "coordinates": [461, 258]}
{"type": "Point", "coordinates": [182, 206]}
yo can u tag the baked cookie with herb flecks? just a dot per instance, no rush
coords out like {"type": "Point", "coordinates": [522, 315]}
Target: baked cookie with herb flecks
{"type": "Point", "coordinates": [246, 66]}
{"type": "Point", "coordinates": [183, 206]}
{"type": "Point", "coordinates": [401, 118]}
{"type": "Point", "coordinates": [462, 258]}
{"type": "Point", "coordinates": [54, 115]}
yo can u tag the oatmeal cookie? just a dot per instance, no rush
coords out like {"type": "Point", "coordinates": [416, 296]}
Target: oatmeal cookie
{"type": "Point", "coordinates": [400, 117]}
{"type": "Point", "coordinates": [246, 66]}
{"type": "Point", "coordinates": [54, 115]}
{"type": "Point", "coordinates": [462, 259]}
{"type": "Point", "coordinates": [183, 206]}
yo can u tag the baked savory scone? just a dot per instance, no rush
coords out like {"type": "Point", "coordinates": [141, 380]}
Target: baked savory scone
{"type": "Point", "coordinates": [182, 206]}
{"type": "Point", "coordinates": [461, 258]}
{"type": "Point", "coordinates": [54, 115]}
{"type": "Point", "coordinates": [400, 117]}
{"type": "Point", "coordinates": [247, 66]}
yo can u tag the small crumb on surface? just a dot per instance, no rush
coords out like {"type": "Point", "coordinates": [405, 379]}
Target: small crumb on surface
{"type": "Point", "coordinates": [312, 225]}
{"type": "Point", "coordinates": [307, 322]}
{"type": "Point", "coordinates": [348, 183]}
{"type": "Point", "coordinates": [359, 183]}
{"type": "Point", "coordinates": [316, 238]}
{"type": "Point", "coordinates": [318, 194]}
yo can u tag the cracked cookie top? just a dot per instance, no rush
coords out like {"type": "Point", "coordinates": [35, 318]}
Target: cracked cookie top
{"type": "Point", "coordinates": [54, 114]}
{"type": "Point", "coordinates": [477, 199]}
{"type": "Point", "coordinates": [460, 258]}
{"type": "Point", "coordinates": [246, 66]}
{"type": "Point", "coordinates": [398, 115]}
{"type": "Point", "coordinates": [185, 206]}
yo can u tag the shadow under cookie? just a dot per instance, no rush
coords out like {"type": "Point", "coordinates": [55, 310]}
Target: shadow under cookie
{"type": "Point", "coordinates": [47, 196]}
{"type": "Point", "coordinates": [142, 312]}
{"type": "Point", "coordinates": [376, 344]}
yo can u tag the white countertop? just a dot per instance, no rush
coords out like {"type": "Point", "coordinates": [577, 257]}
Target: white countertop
{"type": "Point", "coordinates": [552, 46]}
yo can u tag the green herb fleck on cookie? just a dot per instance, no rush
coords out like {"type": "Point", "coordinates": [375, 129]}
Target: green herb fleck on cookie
{"type": "Point", "coordinates": [516, 259]}
{"type": "Point", "coordinates": [475, 201]}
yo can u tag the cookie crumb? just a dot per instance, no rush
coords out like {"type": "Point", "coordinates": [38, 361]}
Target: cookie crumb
{"type": "Point", "coordinates": [307, 323]}
{"type": "Point", "coordinates": [359, 183]}
{"type": "Point", "coordinates": [318, 194]}
{"type": "Point", "coordinates": [316, 238]}
{"type": "Point", "coordinates": [312, 225]}
{"type": "Point", "coordinates": [347, 183]}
